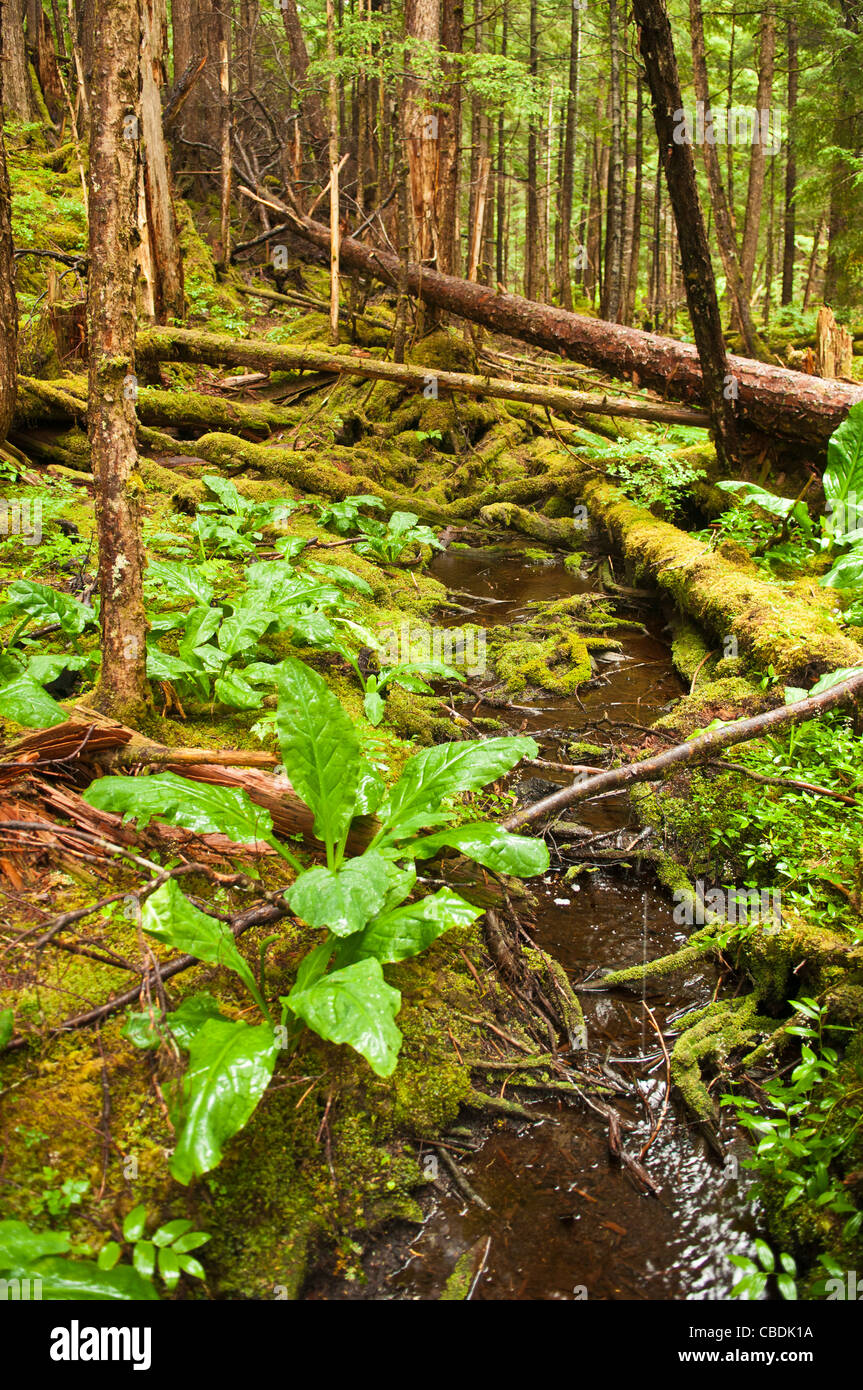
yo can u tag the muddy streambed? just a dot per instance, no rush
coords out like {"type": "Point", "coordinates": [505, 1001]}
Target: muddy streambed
{"type": "Point", "coordinates": [566, 1221]}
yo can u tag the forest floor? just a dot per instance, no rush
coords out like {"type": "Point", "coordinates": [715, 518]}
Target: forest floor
{"type": "Point", "coordinates": [240, 473]}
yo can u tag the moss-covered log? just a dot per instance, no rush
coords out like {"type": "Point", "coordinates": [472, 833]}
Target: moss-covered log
{"type": "Point", "coordinates": [188, 345]}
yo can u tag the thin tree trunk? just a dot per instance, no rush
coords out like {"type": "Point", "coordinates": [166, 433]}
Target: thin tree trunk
{"type": "Point", "coordinates": [158, 205]}
{"type": "Point", "coordinates": [16, 75]}
{"type": "Point", "coordinates": [564, 243]}
{"type": "Point", "coordinates": [758, 158]}
{"type": "Point", "coordinates": [335, 234]}
{"type": "Point", "coordinates": [310, 101]}
{"type": "Point", "coordinates": [114, 154]}
{"type": "Point", "coordinates": [790, 167]}
{"type": "Point", "coordinates": [657, 50]}
{"type": "Point", "coordinates": [725, 237]}
{"type": "Point", "coordinates": [813, 262]}
{"type": "Point", "coordinates": [531, 249]}
{"type": "Point", "coordinates": [8, 300]}
{"type": "Point", "coordinates": [422, 22]}
{"type": "Point", "coordinates": [501, 266]}
{"type": "Point", "coordinates": [225, 126]}
{"type": "Point", "coordinates": [632, 285]}
{"type": "Point", "coordinates": [614, 199]}
{"type": "Point", "coordinates": [449, 138]}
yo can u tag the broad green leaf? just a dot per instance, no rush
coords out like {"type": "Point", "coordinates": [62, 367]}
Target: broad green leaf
{"type": "Point", "coordinates": [313, 630]}
{"type": "Point", "coordinates": [169, 1267]}
{"type": "Point", "coordinates": [73, 1280]}
{"type": "Point", "coordinates": [834, 678]}
{"type": "Point", "coordinates": [182, 801]}
{"type": "Point", "coordinates": [201, 624]}
{"type": "Point", "coordinates": [180, 579]}
{"type": "Point", "coordinates": [313, 965]}
{"type": "Point", "coordinates": [227, 493]}
{"type": "Point", "coordinates": [45, 667]}
{"type": "Point", "coordinates": [370, 790]}
{"type": "Point", "coordinates": [847, 573]}
{"type": "Point", "coordinates": [109, 1255]}
{"type": "Point", "coordinates": [289, 547]}
{"type": "Point", "coordinates": [843, 475]}
{"type": "Point", "coordinates": [441, 771]}
{"type": "Point", "coordinates": [135, 1223]}
{"type": "Point", "coordinates": [171, 918]}
{"type": "Point", "coordinates": [343, 900]}
{"type": "Point", "coordinates": [400, 522]}
{"type": "Point", "coordinates": [230, 1067]}
{"type": "Point", "coordinates": [192, 1240]}
{"type": "Point", "coordinates": [768, 501]}
{"type": "Point", "coordinates": [21, 1246]}
{"type": "Point", "coordinates": [7, 1024]}
{"type": "Point", "coordinates": [354, 1006]}
{"type": "Point", "coordinates": [339, 574]}
{"type": "Point", "coordinates": [164, 666]}
{"type": "Point", "coordinates": [487, 844]}
{"type": "Point", "coordinates": [242, 628]}
{"type": "Point", "coordinates": [189, 1265]}
{"type": "Point", "coordinates": [24, 701]}
{"type": "Point", "coordinates": [374, 707]}
{"type": "Point", "coordinates": [408, 930]}
{"type": "Point", "coordinates": [144, 1258]}
{"type": "Point", "coordinates": [233, 690]}
{"type": "Point", "coordinates": [46, 605]}
{"type": "Point", "coordinates": [167, 1234]}
{"type": "Point", "coordinates": [182, 1023]}
{"type": "Point", "coordinates": [319, 747]}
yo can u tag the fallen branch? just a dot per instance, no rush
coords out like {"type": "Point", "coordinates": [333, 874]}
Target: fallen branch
{"type": "Point", "coordinates": [189, 345]}
{"type": "Point", "coordinates": [694, 750]}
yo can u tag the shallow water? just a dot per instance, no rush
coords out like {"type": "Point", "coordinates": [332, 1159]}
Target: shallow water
{"type": "Point", "coordinates": [567, 1221]}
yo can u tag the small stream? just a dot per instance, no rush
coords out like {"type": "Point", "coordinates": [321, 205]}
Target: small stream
{"type": "Point", "coordinates": [566, 1221]}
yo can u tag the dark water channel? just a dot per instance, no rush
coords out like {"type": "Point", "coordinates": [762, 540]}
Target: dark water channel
{"type": "Point", "coordinates": [566, 1221]}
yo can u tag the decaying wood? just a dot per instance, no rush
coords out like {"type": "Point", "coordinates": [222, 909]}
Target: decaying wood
{"type": "Point", "coordinates": [775, 400]}
{"type": "Point", "coordinates": [188, 345]}
{"type": "Point", "coordinates": [693, 751]}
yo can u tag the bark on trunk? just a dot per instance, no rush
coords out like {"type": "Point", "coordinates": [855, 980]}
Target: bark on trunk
{"type": "Point", "coordinates": [790, 168]}
{"type": "Point", "coordinates": [8, 301]}
{"type": "Point", "coordinates": [657, 50]}
{"type": "Point", "coordinates": [114, 157]}
{"type": "Point", "coordinates": [725, 237]}
{"type": "Point", "coordinates": [614, 199]}
{"type": "Point", "coordinates": [422, 23]}
{"type": "Point", "coordinates": [564, 245]}
{"type": "Point", "coordinates": [758, 159]}
{"type": "Point", "coordinates": [16, 75]}
{"type": "Point", "coordinates": [161, 223]}
{"type": "Point", "coordinates": [773, 399]}
{"type": "Point", "coordinates": [311, 106]}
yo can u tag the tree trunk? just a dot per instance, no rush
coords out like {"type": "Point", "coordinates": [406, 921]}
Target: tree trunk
{"type": "Point", "coordinates": [449, 139]}
{"type": "Point", "coordinates": [773, 399]}
{"type": "Point", "coordinates": [311, 105]}
{"type": "Point", "coordinates": [657, 50]}
{"type": "Point", "coordinates": [725, 237]}
{"type": "Point", "coordinates": [531, 247]}
{"type": "Point", "coordinates": [632, 283]}
{"type": "Point", "coordinates": [8, 301]}
{"type": "Point", "coordinates": [790, 168]}
{"type": "Point", "coordinates": [758, 158]}
{"type": "Point", "coordinates": [564, 244]}
{"type": "Point", "coordinates": [16, 75]}
{"type": "Point", "coordinates": [167, 294]}
{"type": "Point", "coordinates": [839, 277]}
{"type": "Point", "coordinates": [114, 156]}
{"type": "Point", "coordinates": [500, 259]}
{"type": "Point", "coordinates": [333, 120]}
{"type": "Point", "coordinates": [45, 60]}
{"type": "Point", "coordinates": [615, 196]}
{"type": "Point", "coordinates": [225, 128]}
{"type": "Point", "coordinates": [422, 23]}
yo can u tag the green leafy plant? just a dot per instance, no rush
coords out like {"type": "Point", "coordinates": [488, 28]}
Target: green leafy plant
{"type": "Point", "coordinates": [23, 671]}
{"type": "Point", "coordinates": [807, 1121]}
{"type": "Point", "coordinates": [167, 1252]}
{"type": "Point", "coordinates": [755, 1275]}
{"type": "Point", "coordinates": [342, 516]}
{"type": "Point", "coordinates": [234, 524]}
{"type": "Point", "coordinates": [361, 903]}
{"type": "Point", "coordinates": [46, 1264]}
{"type": "Point", "coordinates": [391, 542]}
{"type": "Point", "coordinates": [647, 468]}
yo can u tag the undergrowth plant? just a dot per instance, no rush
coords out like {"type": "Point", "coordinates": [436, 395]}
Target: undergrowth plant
{"type": "Point", "coordinates": [365, 904]}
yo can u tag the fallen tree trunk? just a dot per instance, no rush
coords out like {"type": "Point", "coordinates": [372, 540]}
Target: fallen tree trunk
{"type": "Point", "coordinates": [188, 345]}
{"type": "Point", "coordinates": [798, 407]}
{"type": "Point", "coordinates": [694, 750]}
